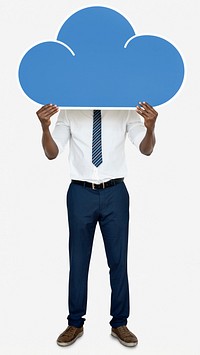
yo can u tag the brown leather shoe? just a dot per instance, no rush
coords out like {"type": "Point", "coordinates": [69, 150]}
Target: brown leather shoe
{"type": "Point", "coordinates": [69, 336]}
{"type": "Point", "coordinates": [125, 336]}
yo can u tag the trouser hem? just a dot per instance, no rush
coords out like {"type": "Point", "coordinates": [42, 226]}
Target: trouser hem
{"type": "Point", "coordinates": [75, 323]}
{"type": "Point", "coordinates": [117, 324]}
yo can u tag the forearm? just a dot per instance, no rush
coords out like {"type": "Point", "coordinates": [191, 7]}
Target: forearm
{"type": "Point", "coordinates": [49, 146]}
{"type": "Point", "coordinates": [148, 142]}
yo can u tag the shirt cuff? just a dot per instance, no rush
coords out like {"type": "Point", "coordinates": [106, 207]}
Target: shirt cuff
{"type": "Point", "coordinates": [138, 139]}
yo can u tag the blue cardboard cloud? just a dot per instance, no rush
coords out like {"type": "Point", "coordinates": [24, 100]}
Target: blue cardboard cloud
{"type": "Point", "coordinates": [98, 61]}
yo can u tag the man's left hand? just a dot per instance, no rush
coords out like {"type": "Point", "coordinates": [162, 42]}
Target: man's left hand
{"type": "Point", "coordinates": [148, 113]}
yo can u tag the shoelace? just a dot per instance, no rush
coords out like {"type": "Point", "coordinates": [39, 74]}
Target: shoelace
{"type": "Point", "coordinates": [71, 330]}
{"type": "Point", "coordinates": [124, 331]}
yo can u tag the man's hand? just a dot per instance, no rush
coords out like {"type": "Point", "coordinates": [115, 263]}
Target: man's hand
{"type": "Point", "coordinates": [45, 113]}
{"type": "Point", "coordinates": [148, 113]}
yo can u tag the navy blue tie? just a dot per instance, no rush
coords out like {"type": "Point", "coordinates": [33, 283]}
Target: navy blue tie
{"type": "Point", "coordinates": [96, 139]}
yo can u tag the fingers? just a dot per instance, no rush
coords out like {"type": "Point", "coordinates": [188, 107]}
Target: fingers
{"type": "Point", "coordinates": [44, 114]}
{"type": "Point", "coordinates": [146, 110]}
{"type": "Point", "coordinates": [47, 110]}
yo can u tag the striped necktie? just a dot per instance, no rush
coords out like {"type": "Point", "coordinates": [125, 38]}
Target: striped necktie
{"type": "Point", "coordinates": [96, 139]}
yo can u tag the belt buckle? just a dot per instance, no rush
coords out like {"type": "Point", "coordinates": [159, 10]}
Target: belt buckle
{"type": "Point", "coordinates": [93, 185]}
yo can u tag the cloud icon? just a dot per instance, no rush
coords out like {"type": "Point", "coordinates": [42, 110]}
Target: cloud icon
{"type": "Point", "coordinates": [97, 60]}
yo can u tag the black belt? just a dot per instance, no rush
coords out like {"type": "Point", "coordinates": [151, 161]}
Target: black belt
{"type": "Point", "coordinates": [103, 185]}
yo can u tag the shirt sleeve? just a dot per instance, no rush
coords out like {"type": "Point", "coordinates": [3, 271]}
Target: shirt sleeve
{"type": "Point", "coordinates": [61, 132]}
{"type": "Point", "coordinates": [135, 128]}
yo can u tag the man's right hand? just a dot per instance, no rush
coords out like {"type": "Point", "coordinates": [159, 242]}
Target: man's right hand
{"type": "Point", "coordinates": [44, 114]}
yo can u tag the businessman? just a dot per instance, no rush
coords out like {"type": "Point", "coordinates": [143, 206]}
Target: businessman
{"type": "Point", "coordinates": [97, 194]}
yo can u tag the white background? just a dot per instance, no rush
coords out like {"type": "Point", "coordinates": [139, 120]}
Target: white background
{"type": "Point", "coordinates": [164, 255]}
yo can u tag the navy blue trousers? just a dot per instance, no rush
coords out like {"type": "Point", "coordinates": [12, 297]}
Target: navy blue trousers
{"type": "Point", "coordinates": [110, 208]}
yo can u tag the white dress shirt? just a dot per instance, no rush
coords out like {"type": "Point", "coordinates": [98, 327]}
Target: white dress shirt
{"type": "Point", "coordinates": [76, 126]}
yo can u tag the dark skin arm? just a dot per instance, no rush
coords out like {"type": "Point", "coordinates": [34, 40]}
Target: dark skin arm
{"type": "Point", "coordinates": [149, 115]}
{"type": "Point", "coordinates": [44, 115]}
{"type": "Point", "coordinates": [51, 150]}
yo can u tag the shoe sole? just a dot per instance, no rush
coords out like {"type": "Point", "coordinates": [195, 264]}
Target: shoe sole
{"type": "Point", "coordinates": [123, 342]}
{"type": "Point", "coordinates": [70, 342]}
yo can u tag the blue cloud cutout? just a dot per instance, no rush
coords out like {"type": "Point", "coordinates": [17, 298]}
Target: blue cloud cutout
{"type": "Point", "coordinates": [99, 61]}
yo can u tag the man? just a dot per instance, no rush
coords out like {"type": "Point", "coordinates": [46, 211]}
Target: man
{"type": "Point", "coordinates": [97, 193]}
